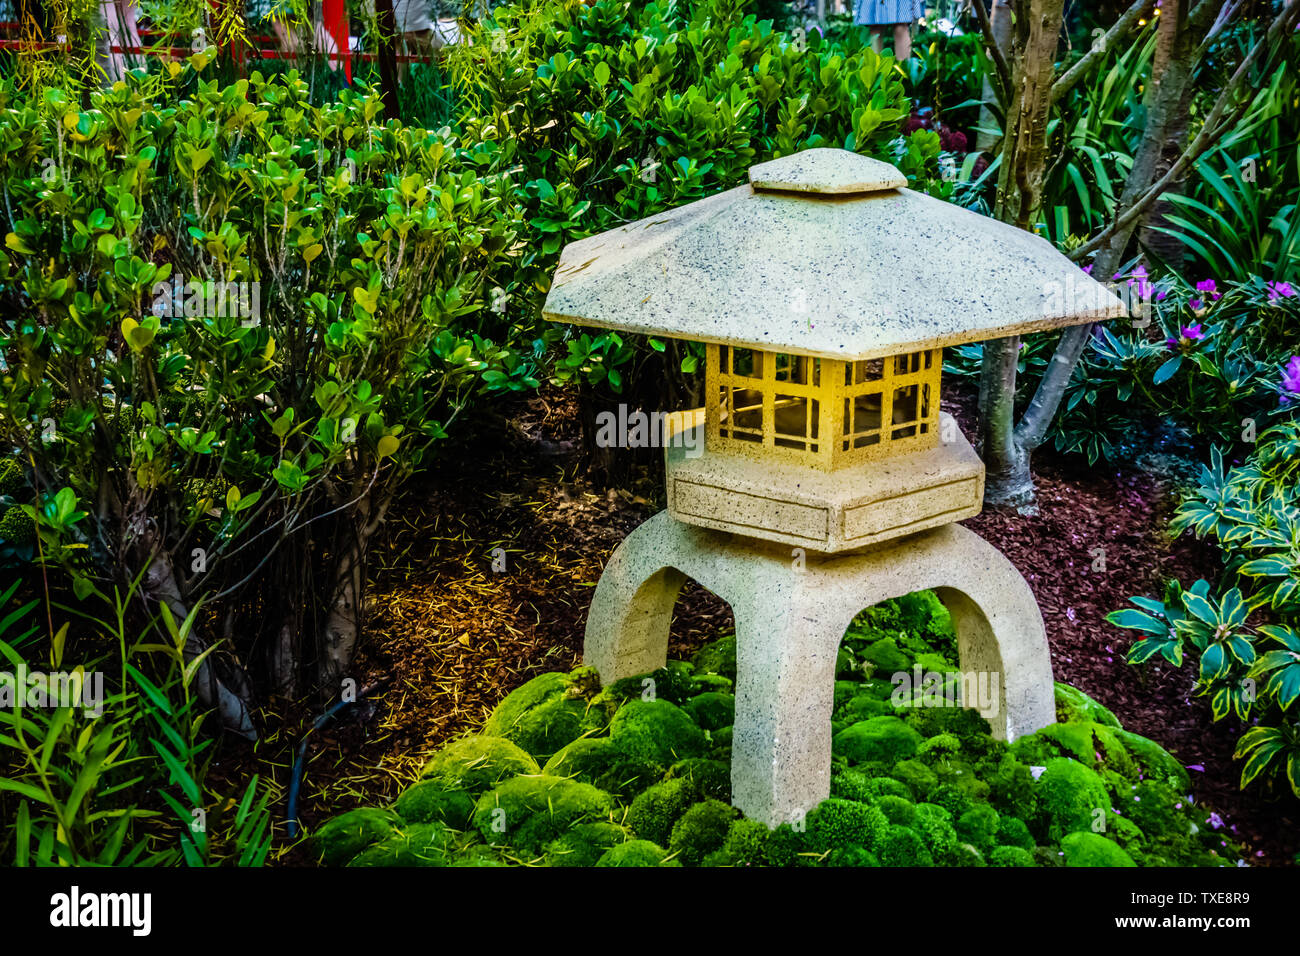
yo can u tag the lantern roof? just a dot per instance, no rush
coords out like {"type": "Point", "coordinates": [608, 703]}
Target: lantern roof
{"type": "Point", "coordinates": [823, 253]}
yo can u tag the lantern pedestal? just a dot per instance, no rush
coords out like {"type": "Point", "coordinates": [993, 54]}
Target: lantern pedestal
{"type": "Point", "coordinates": [791, 613]}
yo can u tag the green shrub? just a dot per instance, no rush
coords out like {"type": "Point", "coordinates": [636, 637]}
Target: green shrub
{"type": "Point", "coordinates": [898, 810]}
{"type": "Point", "coordinates": [288, 408]}
{"type": "Point", "coordinates": [1074, 705]}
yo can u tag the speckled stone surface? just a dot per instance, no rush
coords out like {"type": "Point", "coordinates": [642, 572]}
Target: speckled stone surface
{"type": "Point", "coordinates": [851, 277]}
{"type": "Point", "coordinates": [826, 171]}
{"type": "Point", "coordinates": [841, 510]}
{"type": "Point", "coordinates": [791, 613]}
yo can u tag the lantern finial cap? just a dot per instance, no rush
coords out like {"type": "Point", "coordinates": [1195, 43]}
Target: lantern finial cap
{"type": "Point", "coordinates": [822, 171]}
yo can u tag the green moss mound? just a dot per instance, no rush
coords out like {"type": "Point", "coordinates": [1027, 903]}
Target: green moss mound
{"type": "Point", "coordinates": [633, 781]}
{"type": "Point", "coordinates": [526, 812]}
{"type": "Point", "coordinates": [636, 853]}
{"type": "Point", "coordinates": [656, 730]}
{"type": "Point", "coordinates": [430, 802]}
{"type": "Point", "coordinates": [343, 837]}
{"type": "Point", "coordinates": [478, 763]}
{"type": "Point", "coordinates": [420, 844]}
{"type": "Point", "coordinates": [879, 738]}
{"type": "Point", "coordinates": [1091, 849]}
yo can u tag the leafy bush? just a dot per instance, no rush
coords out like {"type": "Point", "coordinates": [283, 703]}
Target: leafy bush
{"type": "Point", "coordinates": [232, 324]}
{"type": "Point", "coordinates": [1249, 671]}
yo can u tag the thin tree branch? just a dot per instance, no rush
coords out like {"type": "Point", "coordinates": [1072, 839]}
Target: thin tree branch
{"type": "Point", "coordinates": [1002, 70]}
{"type": "Point", "coordinates": [1216, 125]}
{"type": "Point", "coordinates": [1117, 32]}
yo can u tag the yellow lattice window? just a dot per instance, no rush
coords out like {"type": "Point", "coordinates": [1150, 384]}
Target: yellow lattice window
{"type": "Point", "coordinates": [817, 411]}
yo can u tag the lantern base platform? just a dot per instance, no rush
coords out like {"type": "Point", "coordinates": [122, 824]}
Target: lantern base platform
{"type": "Point", "coordinates": [828, 511]}
{"type": "Point", "coordinates": [790, 618]}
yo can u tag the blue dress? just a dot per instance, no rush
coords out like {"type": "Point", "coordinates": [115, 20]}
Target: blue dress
{"type": "Point", "coordinates": [879, 13]}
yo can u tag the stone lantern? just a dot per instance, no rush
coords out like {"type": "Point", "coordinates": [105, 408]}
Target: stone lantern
{"type": "Point", "coordinates": [824, 291]}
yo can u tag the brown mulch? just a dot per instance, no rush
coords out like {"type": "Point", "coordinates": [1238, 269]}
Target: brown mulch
{"type": "Point", "coordinates": [452, 636]}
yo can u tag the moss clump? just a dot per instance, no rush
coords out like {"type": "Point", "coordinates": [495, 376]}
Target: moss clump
{"type": "Point", "coordinates": [919, 778]}
{"type": "Point", "coordinates": [342, 838]}
{"type": "Point", "coordinates": [13, 484]}
{"type": "Point", "coordinates": [784, 844]}
{"type": "Point", "coordinates": [1155, 760]}
{"type": "Point", "coordinates": [429, 802]}
{"type": "Point", "coordinates": [837, 823]}
{"type": "Point", "coordinates": [885, 657]}
{"type": "Point", "coordinates": [1073, 705]}
{"type": "Point", "coordinates": [598, 761]}
{"type": "Point", "coordinates": [903, 847]}
{"type": "Point", "coordinates": [855, 856]}
{"type": "Point", "coordinates": [584, 845]}
{"type": "Point", "coordinates": [717, 657]}
{"type": "Point", "coordinates": [656, 730]}
{"type": "Point", "coordinates": [978, 826]}
{"type": "Point", "coordinates": [636, 853]}
{"type": "Point", "coordinates": [898, 810]}
{"type": "Point", "coordinates": [710, 778]}
{"type": "Point", "coordinates": [16, 527]}
{"type": "Point", "coordinates": [654, 812]}
{"type": "Point", "coordinates": [1012, 831]}
{"type": "Point", "coordinates": [546, 713]}
{"type": "Point", "coordinates": [746, 843]}
{"type": "Point", "coordinates": [886, 739]}
{"type": "Point", "coordinates": [1010, 856]}
{"type": "Point", "coordinates": [420, 844]}
{"type": "Point", "coordinates": [712, 710]}
{"type": "Point", "coordinates": [701, 830]}
{"type": "Point", "coordinates": [527, 812]}
{"type": "Point", "coordinates": [1091, 849]}
{"type": "Point", "coordinates": [1070, 796]}
{"type": "Point", "coordinates": [864, 707]}
{"type": "Point", "coordinates": [934, 824]}
{"type": "Point", "coordinates": [477, 763]}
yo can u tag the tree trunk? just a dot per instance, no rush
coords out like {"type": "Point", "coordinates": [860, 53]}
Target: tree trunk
{"type": "Point", "coordinates": [346, 612]}
{"type": "Point", "coordinates": [1168, 249]}
{"type": "Point", "coordinates": [1020, 187]}
{"type": "Point", "coordinates": [230, 698]}
{"type": "Point", "coordinates": [1000, 17]}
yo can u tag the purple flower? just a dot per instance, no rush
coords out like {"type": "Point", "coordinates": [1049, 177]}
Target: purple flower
{"type": "Point", "coordinates": [1194, 304]}
{"type": "Point", "coordinates": [1216, 821]}
{"type": "Point", "coordinates": [1291, 379]}
{"type": "Point", "coordinates": [1187, 335]}
{"type": "Point", "coordinates": [1088, 268]}
{"type": "Point", "coordinates": [1279, 290]}
{"type": "Point", "coordinates": [1207, 285]}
